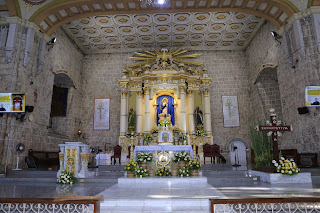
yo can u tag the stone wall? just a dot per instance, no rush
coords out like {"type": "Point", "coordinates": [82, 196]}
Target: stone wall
{"type": "Point", "coordinates": [291, 82]}
{"type": "Point", "coordinates": [38, 88]}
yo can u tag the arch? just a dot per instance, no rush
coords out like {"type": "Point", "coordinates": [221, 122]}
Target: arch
{"type": "Point", "coordinates": [261, 8]}
{"type": "Point", "coordinates": [264, 68]}
{"type": "Point", "coordinates": [238, 152]}
{"type": "Point", "coordinates": [238, 139]}
{"type": "Point", "coordinates": [64, 78]}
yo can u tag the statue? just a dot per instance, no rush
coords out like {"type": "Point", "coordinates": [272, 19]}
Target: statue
{"type": "Point", "coordinates": [198, 117]}
{"type": "Point", "coordinates": [164, 107]}
{"type": "Point", "coordinates": [131, 119]}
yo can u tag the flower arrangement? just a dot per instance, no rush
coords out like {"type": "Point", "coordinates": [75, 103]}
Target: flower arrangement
{"type": "Point", "coordinates": [130, 166]}
{"type": "Point", "coordinates": [164, 123]}
{"type": "Point", "coordinates": [163, 172]}
{"type": "Point", "coordinates": [130, 133]}
{"type": "Point", "coordinates": [144, 157]}
{"type": "Point", "coordinates": [181, 156]}
{"type": "Point", "coordinates": [182, 137]}
{"type": "Point", "coordinates": [147, 137]}
{"type": "Point", "coordinates": [194, 164]}
{"type": "Point", "coordinates": [176, 129]}
{"type": "Point", "coordinates": [154, 130]}
{"type": "Point", "coordinates": [184, 171]}
{"type": "Point", "coordinates": [141, 172]}
{"type": "Point", "coordinates": [66, 177]}
{"type": "Point", "coordinates": [286, 167]}
{"type": "Point", "coordinates": [200, 133]}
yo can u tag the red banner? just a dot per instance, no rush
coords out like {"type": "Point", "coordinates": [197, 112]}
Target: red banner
{"type": "Point", "coordinates": [275, 128]}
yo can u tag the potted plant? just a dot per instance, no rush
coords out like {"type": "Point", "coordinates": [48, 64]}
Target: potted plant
{"type": "Point", "coordinates": [163, 172]}
{"type": "Point", "coordinates": [286, 167]}
{"type": "Point", "coordinates": [181, 158]}
{"type": "Point", "coordinates": [130, 168]}
{"type": "Point", "coordinates": [141, 172]}
{"type": "Point", "coordinates": [184, 172]}
{"type": "Point", "coordinates": [194, 166]}
{"type": "Point", "coordinates": [143, 159]}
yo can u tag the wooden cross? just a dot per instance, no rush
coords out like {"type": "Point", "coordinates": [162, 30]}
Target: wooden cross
{"type": "Point", "coordinates": [274, 129]}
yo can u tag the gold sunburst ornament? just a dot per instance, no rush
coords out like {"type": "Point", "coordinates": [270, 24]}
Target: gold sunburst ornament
{"type": "Point", "coordinates": [163, 59]}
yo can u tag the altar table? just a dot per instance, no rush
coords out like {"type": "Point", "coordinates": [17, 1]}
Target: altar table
{"type": "Point", "coordinates": [174, 148]}
{"type": "Point", "coordinates": [103, 159]}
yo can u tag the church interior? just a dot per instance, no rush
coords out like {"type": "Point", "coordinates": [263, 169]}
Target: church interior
{"type": "Point", "coordinates": [87, 86]}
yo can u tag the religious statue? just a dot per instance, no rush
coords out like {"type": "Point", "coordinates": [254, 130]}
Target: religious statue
{"type": "Point", "coordinates": [131, 119]}
{"type": "Point", "coordinates": [164, 107]}
{"type": "Point", "coordinates": [198, 117]}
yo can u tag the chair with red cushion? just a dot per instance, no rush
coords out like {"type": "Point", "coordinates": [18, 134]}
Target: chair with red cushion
{"type": "Point", "coordinates": [207, 152]}
{"type": "Point", "coordinates": [129, 147]}
{"type": "Point", "coordinates": [116, 154]}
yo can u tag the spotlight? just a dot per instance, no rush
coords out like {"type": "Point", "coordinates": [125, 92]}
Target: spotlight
{"type": "Point", "coordinates": [161, 2]}
{"type": "Point", "coordinates": [276, 36]}
{"type": "Point", "coordinates": [51, 43]}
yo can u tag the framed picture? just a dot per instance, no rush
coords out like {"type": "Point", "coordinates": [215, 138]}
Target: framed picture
{"type": "Point", "coordinates": [101, 120]}
{"type": "Point", "coordinates": [230, 111]}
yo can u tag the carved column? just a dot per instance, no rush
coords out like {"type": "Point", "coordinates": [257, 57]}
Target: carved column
{"type": "Point", "coordinates": [183, 109]}
{"type": "Point", "coordinates": [139, 112]}
{"type": "Point", "coordinates": [207, 112]}
{"type": "Point", "coordinates": [191, 112]}
{"type": "Point", "coordinates": [146, 109]}
{"type": "Point", "coordinates": [124, 116]}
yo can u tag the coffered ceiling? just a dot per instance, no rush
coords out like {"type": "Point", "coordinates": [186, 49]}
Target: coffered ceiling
{"type": "Point", "coordinates": [118, 25]}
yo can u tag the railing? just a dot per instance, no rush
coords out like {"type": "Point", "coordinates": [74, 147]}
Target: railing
{"type": "Point", "coordinates": [257, 205]}
{"type": "Point", "coordinates": [48, 205]}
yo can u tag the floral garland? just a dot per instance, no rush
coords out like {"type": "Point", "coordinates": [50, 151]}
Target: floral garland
{"type": "Point", "coordinates": [181, 156]}
{"type": "Point", "coordinates": [144, 157]}
{"type": "Point", "coordinates": [66, 177]}
{"type": "Point", "coordinates": [130, 133]}
{"type": "Point", "coordinates": [184, 172]}
{"type": "Point", "coordinates": [194, 164]}
{"type": "Point", "coordinates": [141, 172]}
{"type": "Point", "coordinates": [286, 167]}
{"type": "Point", "coordinates": [163, 172]}
{"type": "Point", "coordinates": [130, 166]}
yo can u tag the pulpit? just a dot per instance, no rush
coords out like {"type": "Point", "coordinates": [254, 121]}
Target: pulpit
{"type": "Point", "coordinates": [74, 157]}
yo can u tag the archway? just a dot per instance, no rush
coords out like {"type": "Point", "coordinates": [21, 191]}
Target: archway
{"type": "Point", "coordinates": [238, 154]}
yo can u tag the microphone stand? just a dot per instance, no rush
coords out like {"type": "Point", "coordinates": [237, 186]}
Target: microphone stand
{"type": "Point", "coordinates": [235, 157]}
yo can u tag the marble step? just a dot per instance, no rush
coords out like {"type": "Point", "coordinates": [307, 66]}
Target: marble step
{"type": "Point", "coordinates": [215, 180]}
{"type": "Point", "coordinates": [157, 209]}
{"type": "Point", "coordinates": [224, 173]}
{"type": "Point", "coordinates": [32, 173]}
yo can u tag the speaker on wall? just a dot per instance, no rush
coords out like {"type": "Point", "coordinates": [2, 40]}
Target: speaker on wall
{"type": "Point", "coordinates": [29, 108]}
{"type": "Point", "coordinates": [303, 110]}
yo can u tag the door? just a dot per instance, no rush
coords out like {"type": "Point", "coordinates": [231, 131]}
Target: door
{"type": "Point", "coordinates": [238, 156]}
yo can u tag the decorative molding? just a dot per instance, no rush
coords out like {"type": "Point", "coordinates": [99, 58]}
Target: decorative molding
{"type": "Point", "coordinates": [41, 54]}
{"type": "Point", "coordinates": [11, 42]}
{"type": "Point", "coordinates": [29, 47]}
{"type": "Point", "coordinates": [298, 35]}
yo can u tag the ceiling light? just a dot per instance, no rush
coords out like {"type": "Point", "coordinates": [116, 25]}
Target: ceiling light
{"type": "Point", "coordinates": [153, 2]}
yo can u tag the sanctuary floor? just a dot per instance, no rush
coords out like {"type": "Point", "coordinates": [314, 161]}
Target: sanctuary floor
{"type": "Point", "coordinates": [216, 188]}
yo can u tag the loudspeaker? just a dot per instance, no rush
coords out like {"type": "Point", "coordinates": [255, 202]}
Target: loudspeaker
{"type": "Point", "coordinates": [303, 110]}
{"type": "Point", "coordinates": [29, 108]}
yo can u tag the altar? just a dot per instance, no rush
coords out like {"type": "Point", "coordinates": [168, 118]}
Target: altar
{"type": "Point", "coordinates": [163, 155]}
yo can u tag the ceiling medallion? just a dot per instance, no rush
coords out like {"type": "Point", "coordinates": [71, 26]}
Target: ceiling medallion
{"type": "Point", "coordinates": [108, 30]}
{"type": "Point", "coordinates": [142, 19]}
{"type": "Point", "coordinates": [103, 20]}
{"type": "Point", "coordinates": [240, 16]}
{"type": "Point", "coordinates": [222, 16]}
{"type": "Point", "coordinates": [123, 20]}
{"type": "Point", "coordinates": [31, 3]}
{"type": "Point", "coordinates": [162, 18]}
{"type": "Point", "coordinates": [201, 17]}
{"type": "Point", "coordinates": [181, 18]}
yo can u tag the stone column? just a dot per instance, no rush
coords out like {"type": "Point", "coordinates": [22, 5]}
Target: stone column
{"type": "Point", "coordinates": [183, 109]}
{"type": "Point", "coordinates": [139, 112]}
{"type": "Point", "coordinates": [191, 112]}
{"type": "Point", "coordinates": [146, 109]}
{"type": "Point", "coordinates": [207, 112]}
{"type": "Point", "coordinates": [123, 112]}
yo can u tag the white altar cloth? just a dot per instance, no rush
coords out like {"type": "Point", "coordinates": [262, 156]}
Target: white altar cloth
{"type": "Point", "coordinates": [103, 159]}
{"type": "Point", "coordinates": [177, 148]}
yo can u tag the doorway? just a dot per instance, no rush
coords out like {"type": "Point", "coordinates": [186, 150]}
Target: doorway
{"type": "Point", "coordinates": [238, 155]}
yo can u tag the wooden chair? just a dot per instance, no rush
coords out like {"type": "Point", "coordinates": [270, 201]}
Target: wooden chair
{"type": "Point", "coordinates": [129, 147]}
{"type": "Point", "coordinates": [117, 154]}
{"type": "Point", "coordinates": [216, 153]}
{"type": "Point", "coordinates": [207, 152]}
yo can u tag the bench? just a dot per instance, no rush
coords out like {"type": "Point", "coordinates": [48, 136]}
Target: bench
{"type": "Point", "coordinates": [45, 160]}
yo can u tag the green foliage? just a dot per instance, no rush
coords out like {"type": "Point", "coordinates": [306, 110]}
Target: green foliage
{"type": "Point", "coordinates": [184, 172]}
{"type": "Point", "coordinates": [141, 172]}
{"type": "Point", "coordinates": [262, 147]}
{"type": "Point", "coordinates": [66, 177]}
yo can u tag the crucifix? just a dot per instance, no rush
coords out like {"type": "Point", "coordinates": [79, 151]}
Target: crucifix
{"type": "Point", "coordinates": [100, 108]}
{"type": "Point", "coordinates": [274, 129]}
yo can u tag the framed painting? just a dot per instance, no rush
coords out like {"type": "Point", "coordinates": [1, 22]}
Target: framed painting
{"type": "Point", "coordinates": [101, 120]}
{"type": "Point", "coordinates": [230, 111]}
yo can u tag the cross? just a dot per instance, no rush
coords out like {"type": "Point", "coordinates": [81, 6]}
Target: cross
{"type": "Point", "coordinates": [274, 129]}
{"type": "Point", "coordinates": [164, 50]}
{"type": "Point", "coordinates": [100, 108]}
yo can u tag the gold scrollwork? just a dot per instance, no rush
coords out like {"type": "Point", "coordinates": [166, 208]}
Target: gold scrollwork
{"type": "Point", "coordinates": [70, 161]}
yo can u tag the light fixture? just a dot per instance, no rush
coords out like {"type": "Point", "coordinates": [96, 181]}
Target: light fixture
{"type": "Point", "coordinates": [153, 2]}
{"type": "Point", "coordinates": [51, 43]}
{"type": "Point", "coordinates": [276, 36]}
{"type": "Point", "coordinates": [79, 133]}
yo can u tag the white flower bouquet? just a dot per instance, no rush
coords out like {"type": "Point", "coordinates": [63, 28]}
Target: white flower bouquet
{"type": "Point", "coordinates": [144, 157]}
{"type": "Point", "coordinates": [184, 172]}
{"type": "Point", "coordinates": [141, 172]}
{"type": "Point", "coordinates": [181, 156]}
{"type": "Point", "coordinates": [286, 167]}
{"type": "Point", "coordinates": [66, 177]}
